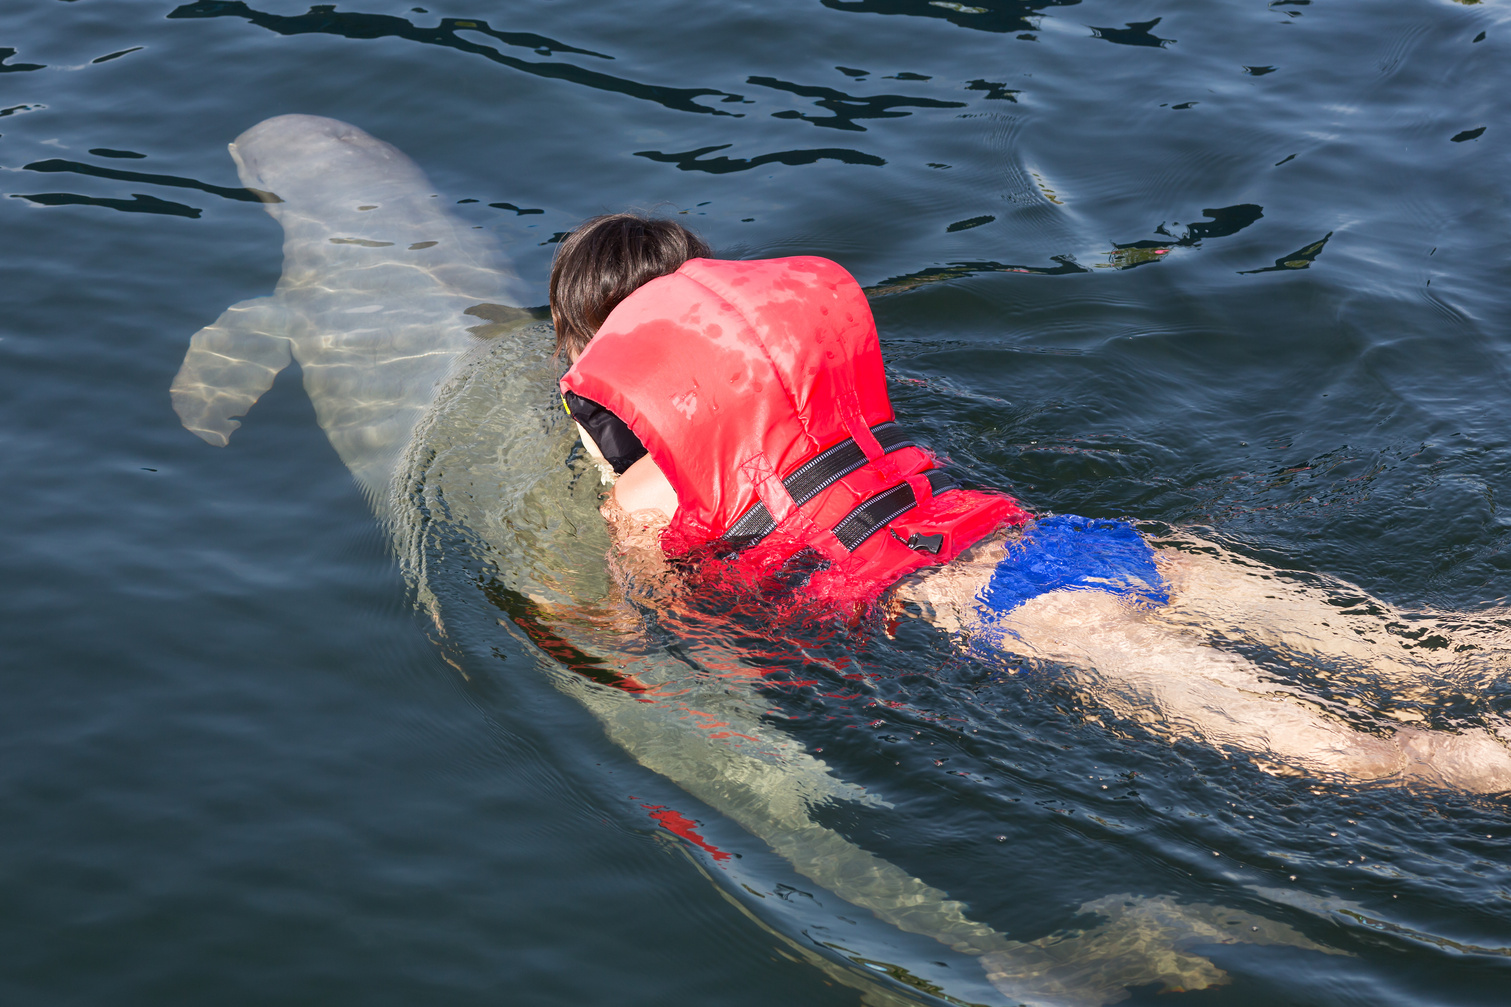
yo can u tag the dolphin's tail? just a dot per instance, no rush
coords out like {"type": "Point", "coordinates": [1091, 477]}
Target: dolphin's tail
{"type": "Point", "coordinates": [228, 367]}
{"type": "Point", "coordinates": [1136, 941]}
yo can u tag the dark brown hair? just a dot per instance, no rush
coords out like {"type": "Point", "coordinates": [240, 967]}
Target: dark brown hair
{"type": "Point", "coordinates": [604, 261]}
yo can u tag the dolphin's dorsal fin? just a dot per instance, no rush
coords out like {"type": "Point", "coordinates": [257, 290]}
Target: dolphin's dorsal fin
{"type": "Point", "coordinates": [228, 367]}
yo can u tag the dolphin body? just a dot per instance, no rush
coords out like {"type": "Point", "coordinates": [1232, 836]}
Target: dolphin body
{"type": "Point", "coordinates": [438, 395]}
{"type": "Point", "coordinates": [382, 294]}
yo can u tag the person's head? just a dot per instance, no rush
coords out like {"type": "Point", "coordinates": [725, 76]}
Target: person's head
{"type": "Point", "coordinates": [604, 261]}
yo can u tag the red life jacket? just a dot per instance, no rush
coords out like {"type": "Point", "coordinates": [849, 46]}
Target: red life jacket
{"type": "Point", "coordinates": [758, 388]}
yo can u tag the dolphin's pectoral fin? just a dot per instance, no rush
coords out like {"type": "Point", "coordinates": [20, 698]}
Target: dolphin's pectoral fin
{"type": "Point", "coordinates": [228, 367]}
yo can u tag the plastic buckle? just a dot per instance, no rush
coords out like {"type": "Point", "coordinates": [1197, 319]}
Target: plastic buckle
{"type": "Point", "coordinates": [922, 543]}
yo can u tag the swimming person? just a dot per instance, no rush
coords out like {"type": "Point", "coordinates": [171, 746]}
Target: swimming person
{"type": "Point", "coordinates": [742, 407]}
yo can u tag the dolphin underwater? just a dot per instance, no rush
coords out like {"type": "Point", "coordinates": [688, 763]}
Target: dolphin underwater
{"type": "Point", "coordinates": [382, 294]}
{"type": "Point", "coordinates": [438, 394]}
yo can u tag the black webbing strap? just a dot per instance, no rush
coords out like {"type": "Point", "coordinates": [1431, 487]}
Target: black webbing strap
{"type": "Point", "coordinates": [814, 476]}
{"type": "Point", "coordinates": [870, 517]}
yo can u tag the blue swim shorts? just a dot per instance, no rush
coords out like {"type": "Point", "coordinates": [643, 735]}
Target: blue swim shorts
{"type": "Point", "coordinates": [1065, 551]}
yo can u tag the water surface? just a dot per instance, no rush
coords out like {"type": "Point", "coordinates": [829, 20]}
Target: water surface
{"type": "Point", "coordinates": [1236, 267]}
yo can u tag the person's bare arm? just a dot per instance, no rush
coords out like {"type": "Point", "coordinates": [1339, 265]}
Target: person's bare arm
{"type": "Point", "coordinates": [637, 509]}
{"type": "Point", "coordinates": [642, 488]}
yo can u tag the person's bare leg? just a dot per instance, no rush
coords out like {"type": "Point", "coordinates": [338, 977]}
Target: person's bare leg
{"type": "Point", "coordinates": [1227, 596]}
{"type": "Point", "coordinates": [1346, 635]}
{"type": "Point", "coordinates": [1151, 666]}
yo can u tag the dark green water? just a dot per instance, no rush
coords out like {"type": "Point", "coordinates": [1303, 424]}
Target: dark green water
{"type": "Point", "coordinates": [1239, 266]}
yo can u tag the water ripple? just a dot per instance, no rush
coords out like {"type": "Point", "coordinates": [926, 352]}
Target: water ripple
{"type": "Point", "coordinates": [1000, 16]}
{"type": "Point", "coordinates": [370, 26]}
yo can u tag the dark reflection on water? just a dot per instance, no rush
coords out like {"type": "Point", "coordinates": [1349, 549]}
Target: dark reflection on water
{"type": "Point", "coordinates": [6, 52]}
{"type": "Point", "coordinates": [970, 222]}
{"type": "Point", "coordinates": [116, 55]}
{"type": "Point", "coordinates": [982, 15]}
{"type": "Point", "coordinates": [936, 274]}
{"type": "Point", "coordinates": [327, 21]}
{"type": "Point", "coordinates": [847, 108]}
{"type": "Point", "coordinates": [56, 164]}
{"type": "Point", "coordinates": [1301, 258]}
{"type": "Point", "coordinates": [1135, 33]}
{"type": "Point", "coordinates": [1226, 220]}
{"type": "Point", "coordinates": [697, 160]}
{"type": "Point", "coordinates": [994, 91]}
{"type": "Point", "coordinates": [138, 203]}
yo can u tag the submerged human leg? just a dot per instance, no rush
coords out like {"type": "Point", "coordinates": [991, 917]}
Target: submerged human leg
{"type": "Point", "coordinates": [1231, 597]}
{"type": "Point", "coordinates": [1153, 663]}
{"type": "Point", "coordinates": [1426, 659]}
{"type": "Point", "coordinates": [1183, 688]}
